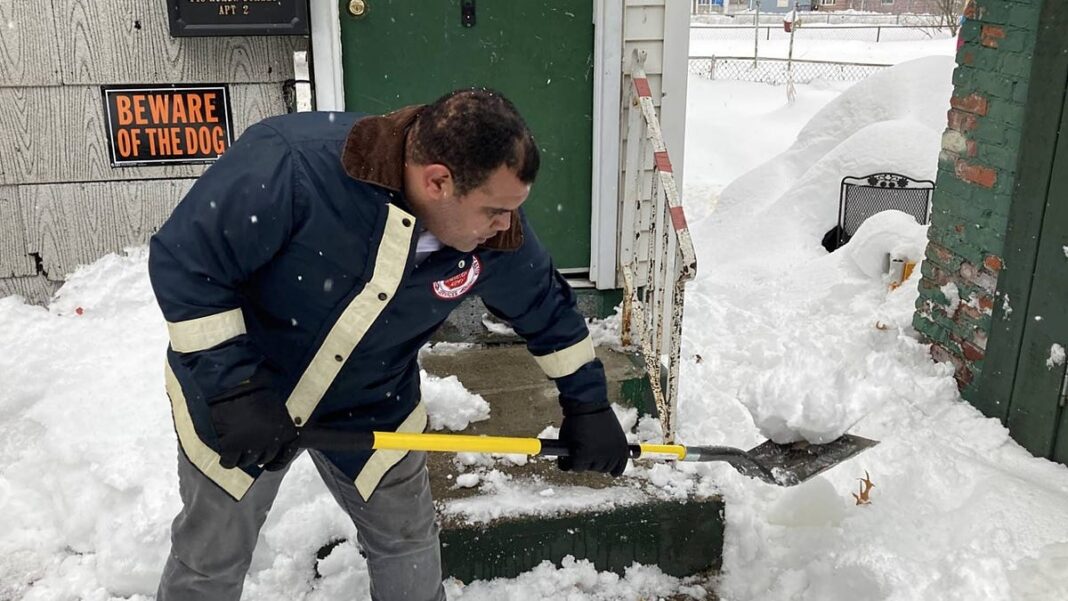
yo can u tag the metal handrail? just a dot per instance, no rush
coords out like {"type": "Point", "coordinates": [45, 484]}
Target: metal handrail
{"type": "Point", "coordinates": [653, 305]}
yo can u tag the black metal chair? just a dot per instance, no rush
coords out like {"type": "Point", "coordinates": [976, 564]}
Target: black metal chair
{"type": "Point", "coordinates": [862, 197]}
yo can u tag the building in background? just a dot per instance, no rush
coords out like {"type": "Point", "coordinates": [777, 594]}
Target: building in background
{"type": "Point", "coordinates": [895, 7]}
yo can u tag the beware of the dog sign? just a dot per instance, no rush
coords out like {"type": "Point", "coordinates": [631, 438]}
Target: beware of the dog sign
{"type": "Point", "coordinates": [177, 123]}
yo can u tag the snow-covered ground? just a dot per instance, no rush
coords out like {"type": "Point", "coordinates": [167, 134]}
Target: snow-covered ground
{"type": "Point", "coordinates": [781, 340]}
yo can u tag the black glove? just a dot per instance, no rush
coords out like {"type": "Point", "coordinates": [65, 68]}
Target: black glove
{"type": "Point", "coordinates": [253, 427]}
{"type": "Point", "coordinates": [594, 438]}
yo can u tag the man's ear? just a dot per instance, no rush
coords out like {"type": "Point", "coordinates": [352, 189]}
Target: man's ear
{"type": "Point", "coordinates": [437, 180]}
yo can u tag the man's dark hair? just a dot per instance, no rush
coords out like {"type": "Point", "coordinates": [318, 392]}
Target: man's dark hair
{"type": "Point", "coordinates": [473, 132]}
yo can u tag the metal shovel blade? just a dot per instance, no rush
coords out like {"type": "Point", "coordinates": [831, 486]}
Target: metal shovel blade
{"type": "Point", "coordinates": [785, 464]}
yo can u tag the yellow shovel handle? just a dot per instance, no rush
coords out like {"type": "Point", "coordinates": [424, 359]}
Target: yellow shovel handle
{"type": "Point", "coordinates": [327, 440]}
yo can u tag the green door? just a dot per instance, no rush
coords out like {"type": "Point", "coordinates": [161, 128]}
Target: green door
{"type": "Point", "coordinates": [1036, 410]}
{"type": "Point", "coordinates": [538, 54]}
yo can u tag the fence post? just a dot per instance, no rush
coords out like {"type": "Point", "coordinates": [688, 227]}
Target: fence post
{"type": "Point", "coordinates": [795, 22]}
{"type": "Point", "coordinates": [756, 35]}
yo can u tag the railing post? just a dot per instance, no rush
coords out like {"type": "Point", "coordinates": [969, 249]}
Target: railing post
{"type": "Point", "coordinates": [656, 316]}
{"type": "Point", "coordinates": [631, 198]}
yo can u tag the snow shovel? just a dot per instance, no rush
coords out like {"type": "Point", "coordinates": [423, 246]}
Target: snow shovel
{"type": "Point", "coordinates": [782, 465]}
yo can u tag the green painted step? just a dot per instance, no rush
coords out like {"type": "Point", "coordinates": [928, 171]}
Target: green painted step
{"type": "Point", "coordinates": [682, 537]}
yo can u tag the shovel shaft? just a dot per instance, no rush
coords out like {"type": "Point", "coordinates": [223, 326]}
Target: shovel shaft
{"type": "Point", "coordinates": [332, 440]}
{"type": "Point", "coordinates": [782, 465]}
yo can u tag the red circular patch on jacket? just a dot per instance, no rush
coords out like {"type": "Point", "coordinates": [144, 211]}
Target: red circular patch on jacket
{"type": "Point", "coordinates": [459, 284]}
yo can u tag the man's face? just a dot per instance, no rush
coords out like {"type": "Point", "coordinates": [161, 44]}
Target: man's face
{"type": "Point", "coordinates": [464, 222]}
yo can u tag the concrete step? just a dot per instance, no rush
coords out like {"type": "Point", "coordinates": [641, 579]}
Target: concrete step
{"type": "Point", "coordinates": [683, 538]}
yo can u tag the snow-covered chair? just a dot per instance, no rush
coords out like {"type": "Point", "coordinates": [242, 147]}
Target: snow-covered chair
{"type": "Point", "coordinates": [862, 197]}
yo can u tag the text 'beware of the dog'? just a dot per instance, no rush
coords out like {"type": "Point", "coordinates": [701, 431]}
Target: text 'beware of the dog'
{"type": "Point", "coordinates": [172, 124]}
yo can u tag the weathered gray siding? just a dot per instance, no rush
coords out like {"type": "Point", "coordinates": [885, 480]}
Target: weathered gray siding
{"type": "Point", "coordinates": [61, 203]}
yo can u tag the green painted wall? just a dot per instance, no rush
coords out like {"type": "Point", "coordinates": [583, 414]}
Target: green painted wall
{"type": "Point", "coordinates": [999, 228]}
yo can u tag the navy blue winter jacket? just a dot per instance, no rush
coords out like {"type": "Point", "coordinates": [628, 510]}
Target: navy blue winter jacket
{"type": "Point", "coordinates": [293, 255]}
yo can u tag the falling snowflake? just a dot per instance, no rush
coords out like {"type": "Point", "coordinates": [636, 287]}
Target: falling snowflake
{"type": "Point", "coordinates": [254, 219]}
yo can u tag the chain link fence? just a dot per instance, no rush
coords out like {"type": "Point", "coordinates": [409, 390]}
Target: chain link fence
{"type": "Point", "coordinates": [828, 17]}
{"type": "Point", "coordinates": [774, 70]}
{"type": "Point", "coordinates": [809, 31]}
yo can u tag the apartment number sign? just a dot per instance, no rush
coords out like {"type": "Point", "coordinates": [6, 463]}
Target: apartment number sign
{"type": "Point", "coordinates": [190, 18]}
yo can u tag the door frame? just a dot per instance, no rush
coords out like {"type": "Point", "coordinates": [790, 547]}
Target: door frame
{"type": "Point", "coordinates": [328, 76]}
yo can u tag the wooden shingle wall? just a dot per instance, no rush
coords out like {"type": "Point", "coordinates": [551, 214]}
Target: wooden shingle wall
{"type": "Point", "coordinates": [61, 202]}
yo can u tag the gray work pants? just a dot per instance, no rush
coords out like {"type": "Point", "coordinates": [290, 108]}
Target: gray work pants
{"type": "Point", "coordinates": [213, 537]}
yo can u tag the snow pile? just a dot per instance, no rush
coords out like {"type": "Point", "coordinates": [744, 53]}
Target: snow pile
{"type": "Point", "coordinates": [886, 235]}
{"type": "Point", "coordinates": [817, 387]}
{"type": "Point", "coordinates": [606, 332]}
{"type": "Point", "coordinates": [499, 495]}
{"type": "Point", "coordinates": [577, 580]}
{"type": "Point", "coordinates": [769, 224]}
{"type": "Point", "coordinates": [892, 121]}
{"type": "Point", "coordinates": [449, 405]}
{"type": "Point", "coordinates": [782, 339]}
{"type": "Point", "coordinates": [736, 111]}
{"type": "Point", "coordinates": [83, 425]}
